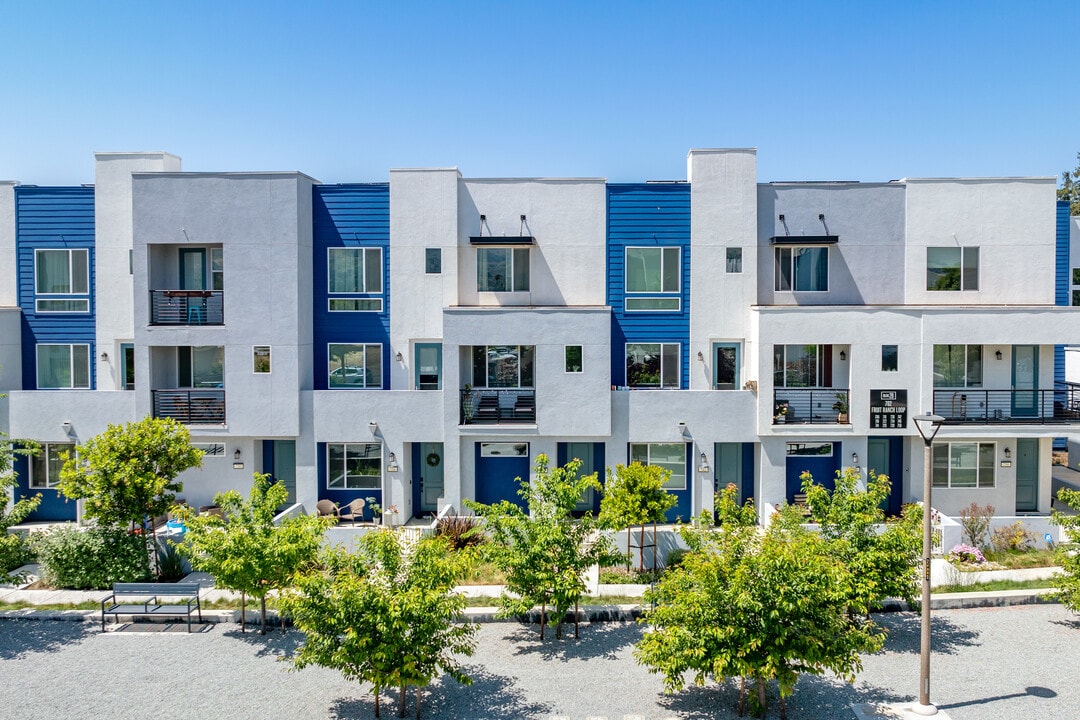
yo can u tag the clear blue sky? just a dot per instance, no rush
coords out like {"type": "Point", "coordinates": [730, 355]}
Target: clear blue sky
{"type": "Point", "coordinates": [344, 91]}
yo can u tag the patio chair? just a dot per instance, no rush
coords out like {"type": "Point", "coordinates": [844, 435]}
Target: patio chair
{"type": "Point", "coordinates": [326, 507]}
{"type": "Point", "coordinates": [353, 510]}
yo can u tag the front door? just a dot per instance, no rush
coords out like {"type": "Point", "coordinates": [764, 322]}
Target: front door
{"type": "Point", "coordinates": [1027, 475]}
{"type": "Point", "coordinates": [582, 451]}
{"type": "Point", "coordinates": [284, 468]}
{"type": "Point", "coordinates": [728, 470]}
{"type": "Point", "coordinates": [192, 269]}
{"type": "Point", "coordinates": [431, 476]}
{"type": "Point", "coordinates": [1025, 376]}
{"type": "Point", "coordinates": [879, 462]}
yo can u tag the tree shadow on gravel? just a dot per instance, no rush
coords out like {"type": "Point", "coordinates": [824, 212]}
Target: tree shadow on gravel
{"type": "Point", "coordinates": [1071, 623]}
{"type": "Point", "coordinates": [904, 634]}
{"type": "Point", "coordinates": [274, 643]}
{"type": "Point", "coordinates": [489, 696]}
{"type": "Point", "coordinates": [21, 637]}
{"type": "Point", "coordinates": [598, 640]}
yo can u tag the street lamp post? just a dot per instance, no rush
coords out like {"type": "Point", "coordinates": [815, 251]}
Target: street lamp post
{"type": "Point", "coordinates": [928, 426]}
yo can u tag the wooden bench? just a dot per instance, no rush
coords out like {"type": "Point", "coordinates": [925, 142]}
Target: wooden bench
{"type": "Point", "coordinates": [167, 599]}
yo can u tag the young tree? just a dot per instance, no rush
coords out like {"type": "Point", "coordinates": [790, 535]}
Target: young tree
{"type": "Point", "coordinates": [764, 606]}
{"type": "Point", "coordinates": [545, 553]}
{"type": "Point", "coordinates": [128, 473]}
{"type": "Point", "coordinates": [1070, 188]}
{"type": "Point", "coordinates": [1067, 581]}
{"type": "Point", "coordinates": [635, 495]}
{"type": "Point", "coordinates": [244, 550]}
{"type": "Point", "coordinates": [386, 615]}
{"type": "Point", "coordinates": [881, 564]}
{"type": "Point", "coordinates": [13, 552]}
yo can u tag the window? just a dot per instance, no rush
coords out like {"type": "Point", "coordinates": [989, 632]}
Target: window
{"type": "Point", "coordinates": [504, 449]}
{"type": "Point", "coordinates": [428, 366]}
{"type": "Point", "coordinates": [802, 269]}
{"type": "Point", "coordinates": [726, 367]}
{"type": "Point", "coordinates": [964, 465]}
{"type": "Point", "coordinates": [1076, 276]}
{"type": "Point", "coordinates": [670, 456]}
{"type": "Point", "coordinates": [45, 466]}
{"type": "Point", "coordinates": [812, 449]}
{"type": "Point", "coordinates": [210, 449]}
{"type": "Point", "coordinates": [952, 268]}
{"type": "Point", "coordinates": [62, 272]}
{"type": "Point", "coordinates": [433, 261]}
{"type": "Point", "coordinates": [355, 270]}
{"type": "Point", "coordinates": [503, 365]}
{"type": "Point", "coordinates": [354, 466]}
{"type": "Point", "coordinates": [260, 356]}
{"type": "Point", "coordinates": [653, 270]}
{"type": "Point", "coordinates": [734, 260]}
{"type": "Point", "coordinates": [958, 365]}
{"type": "Point", "coordinates": [573, 358]}
{"type": "Point", "coordinates": [1076, 297]}
{"type": "Point", "coordinates": [652, 365]}
{"type": "Point", "coordinates": [797, 366]}
{"type": "Point", "coordinates": [200, 366]}
{"type": "Point", "coordinates": [890, 358]}
{"type": "Point", "coordinates": [502, 269]}
{"type": "Point", "coordinates": [127, 365]}
{"type": "Point", "coordinates": [217, 269]}
{"type": "Point", "coordinates": [63, 366]}
{"type": "Point", "coordinates": [355, 366]}
{"type": "Point", "coordinates": [356, 304]}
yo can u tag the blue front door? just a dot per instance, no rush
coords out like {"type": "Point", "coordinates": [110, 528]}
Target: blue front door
{"type": "Point", "coordinates": [500, 468]}
{"type": "Point", "coordinates": [820, 459]}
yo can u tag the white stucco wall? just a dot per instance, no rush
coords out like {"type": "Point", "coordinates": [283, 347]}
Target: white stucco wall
{"type": "Point", "coordinates": [10, 349]}
{"type": "Point", "coordinates": [40, 414]}
{"type": "Point", "coordinates": [9, 291]}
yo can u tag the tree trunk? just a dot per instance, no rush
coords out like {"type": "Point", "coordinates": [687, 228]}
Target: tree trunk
{"type": "Point", "coordinates": [543, 614]}
{"type": "Point", "coordinates": [157, 563]}
{"type": "Point", "coordinates": [783, 707]}
{"type": "Point", "coordinates": [761, 696]}
{"type": "Point", "coordinates": [654, 549]}
{"type": "Point", "coordinates": [243, 611]}
{"type": "Point", "coordinates": [377, 701]}
{"type": "Point", "coordinates": [576, 620]}
{"type": "Point", "coordinates": [262, 604]}
{"type": "Point", "coordinates": [641, 549]}
{"type": "Point", "coordinates": [401, 702]}
{"type": "Point", "coordinates": [627, 548]}
{"type": "Point", "coordinates": [418, 691]}
{"type": "Point", "coordinates": [742, 695]}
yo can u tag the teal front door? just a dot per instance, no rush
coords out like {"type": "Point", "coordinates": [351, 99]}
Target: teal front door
{"type": "Point", "coordinates": [1027, 475]}
{"type": "Point", "coordinates": [431, 476]}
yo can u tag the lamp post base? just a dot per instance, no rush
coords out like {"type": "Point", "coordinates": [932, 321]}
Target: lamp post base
{"type": "Point", "coordinates": [897, 711]}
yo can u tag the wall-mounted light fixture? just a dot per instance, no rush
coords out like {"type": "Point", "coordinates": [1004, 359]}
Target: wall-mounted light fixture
{"type": "Point", "coordinates": [854, 458]}
{"type": "Point", "coordinates": [399, 357]}
{"type": "Point", "coordinates": [704, 466]}
{"type": "Point", "coordinates": [700, 356]}
{"type": "Point", "coordinates": [521, 229]}
{"type": "Point", "coordinates": [781, 217]}
{"type": "Point", "coordinates": [997, 354]}
{"type": "Point", "coordinates": [237, 463]}
{"type": "Point", "coordinates": [66, 425]}
{"type": "Point", "coordinates": [104, 357]}
{"type": "Point", "coordinates": [373, 426]}
{"type": "Point", "coordinates": [236, 454]}
{"type": "Point", "coordinates": [1008, 453]}
{"type": "Point", "coordinates": [391, 465]}
{"type": "Point", "coordinates": [843, 355]}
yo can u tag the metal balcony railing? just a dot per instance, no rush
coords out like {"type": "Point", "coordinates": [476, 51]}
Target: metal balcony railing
{"type": "Point", "coordinates": [187, 307]}
{"type": "Point", "coordinates": [498, 406]}
{"type": "Point", "coordinates": [1060, 406]}
{"type": "Point", "coordinates": [810, 406]}
{"type": "Point", "coordinates": [191, 407]}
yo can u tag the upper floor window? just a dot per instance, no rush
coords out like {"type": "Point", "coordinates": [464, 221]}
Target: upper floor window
{"type": "Point", "coordinates": [890, 358]}
{"type": "Point", "coordinates": [670, 456]}
{"type": "Point", "coordinates": [653, 270]}
{"type": "Point", "coordinates": [200, 366]}
{"type": "Point", "coordinates": [355, 366]}
{"type": "Point", "coordinates": [260, 357]}
{"type": "Point", "coordinates": [62, 272]}
{"type": "Point", "coordinates": [503, 365]}
{"type": "Point", "coordinates": [45, 466]}
{"type": "Point", "coordinates": [354, 466]}
{"type": "Point", "coordinates": [502, 269]}
{"type": "Point", "coordinates": [952, 268]}
{"type": "Point", "coordinates": [573, 358]}
{"type": "Point", "coordinates": [355, 270]}
{"type": "Point", "coordinates": [734, 260]}
{"type": "Point", "coordinates": [801, 269]}
{"type": "Point", "coordinates": [433, 261]}
{"type": "Point", "coordinates": [63, 366]}
{"type": "Point", "coordinates": [652, 365]}
{"type": "Point", "coordinates": [958, 365]}
{"type": "Point", "coordinates": [797, 366]}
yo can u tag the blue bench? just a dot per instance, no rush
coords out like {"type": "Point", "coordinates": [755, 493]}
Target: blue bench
{"type": "Point", "coordinates": [158, 599]}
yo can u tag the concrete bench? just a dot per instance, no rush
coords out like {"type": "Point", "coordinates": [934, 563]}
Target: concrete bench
{"type": "Point", "coordinates": [164, 599]}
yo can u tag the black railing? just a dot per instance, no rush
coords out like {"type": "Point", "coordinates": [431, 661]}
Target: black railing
{"type": "Point", "coordinates": [810, 406]}
{"type": "Point", "coordinates": [191, 407]}
{"type": "Point", "coordinates": [498, 406]}
{"type": "Point", "coordinates": [187, 307]}
{"type": "Point", "coordinates": [1019, 407]}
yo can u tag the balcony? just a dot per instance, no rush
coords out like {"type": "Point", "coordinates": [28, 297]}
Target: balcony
{"type": "Point", "coordinates": [498, 406]}
{"type": "Point", "coordinates": [810, 406]}
{"type": "Point", "coordinates": [191, 407]}
{"type": "Point", "coordinates": [187, 307]}
{"type": "Point", "coordinates": [1060, 406]}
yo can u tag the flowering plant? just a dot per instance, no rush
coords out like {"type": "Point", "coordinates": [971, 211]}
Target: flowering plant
{"type": "Point", "coordinates": [391, 510]}
{"type": "Point", "coordinates": [966, 554]}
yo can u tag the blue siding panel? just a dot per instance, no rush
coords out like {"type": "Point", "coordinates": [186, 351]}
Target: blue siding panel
{"type": "Point", "coordinates": [643, 215]}
{"type": "Point", "coordinates": [52, 218]}
{"type": "Point", "coordinates": [1062, 283]}
{"type": "Point", "coordinates": [351, 215]}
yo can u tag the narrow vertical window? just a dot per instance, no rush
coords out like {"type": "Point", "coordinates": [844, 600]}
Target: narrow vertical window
{"type": "Point", "coordinates": [573, 358]}
{"type": "Point", "coordinates": [433, 261]}
{"type": "Point", "coordinates": [734, 260]}
{"type": "Point", "coordinates": [261, 359]}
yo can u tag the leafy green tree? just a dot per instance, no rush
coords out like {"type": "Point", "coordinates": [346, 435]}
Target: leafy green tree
{"type": "Point", "coordinates": [635, 495]}
{"type": "Point", "coordinates": [881, 564]}
{"type": "Point", "coordinates": [759, 606]}
{"type": "Point", "coordinates": [1067, 581]}
{"type": "Point", "coordinates": [245, 550]}
{"type": "Point", "coordinates": [1070, 188]}
{"type": "Point", "coordinates": [13, 550]}
{"type": "Point", "coordinates": [546, 552]}
{"type": "Point", "coordinates": [128, 473]}
{"type": "Point", "coordinates": [386, 615]}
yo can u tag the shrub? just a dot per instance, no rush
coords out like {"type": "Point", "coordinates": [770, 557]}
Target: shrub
{"type": "Point", "coordinates": [968, 554]}
{"type": "Point", "coordinates": [674, 558]}
{"type": "Point", "coordinates": [170, 562]}
{"type": "Point", "coordinates": [461, 531]}
{"type": "Point", "coordinates": [91, 559]}
{"type": "Point", "coordinates": [1012, 537]}
{"type": "Point", "coordinates": [975, 522]}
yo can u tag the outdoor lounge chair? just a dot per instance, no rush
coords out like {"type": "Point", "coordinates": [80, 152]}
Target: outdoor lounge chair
{"type": "Point", "coordinates": [326, 507]}
{"type": "Point", "coordinates": [352, 511]}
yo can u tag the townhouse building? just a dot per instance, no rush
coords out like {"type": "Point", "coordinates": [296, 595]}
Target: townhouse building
{"type": "Point", "coordinates": [421, 340]}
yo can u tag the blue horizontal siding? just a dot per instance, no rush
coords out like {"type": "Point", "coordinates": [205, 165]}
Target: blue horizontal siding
{"type": "Point", "coordinates": [52, 218]}
{"type": "Point", "coordinates": [1062, 284]}
{"type": "Point", "coordinates": [349, 215]}
{"type": "Point", "coordinates": [644, 215]}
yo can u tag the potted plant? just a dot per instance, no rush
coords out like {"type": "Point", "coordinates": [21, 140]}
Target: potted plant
{"type": "Point", "coordinates": [467, 408]}
{"type": "Point", "coordinates": [841, 408]}
{"type": "Point", "coordinates": [376, 510]}
{"type": "Point", "coordinates": [390, 512]}
{"type": "Point", "coordinates": [780, 412]}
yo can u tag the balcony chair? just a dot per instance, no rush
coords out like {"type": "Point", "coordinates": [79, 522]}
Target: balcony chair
{"type": "Point", "coordinates": [352, 511]}
{"type": "Point", "coordinates": [488, 409]}
{"type": "Point", "coordinates": [525, 407]}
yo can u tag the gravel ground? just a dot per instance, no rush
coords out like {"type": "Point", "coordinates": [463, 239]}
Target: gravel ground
{"type": "Point", "coordinates": [988, 664]}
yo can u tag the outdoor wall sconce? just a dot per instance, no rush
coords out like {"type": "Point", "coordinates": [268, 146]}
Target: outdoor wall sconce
{"type": "Point", "coordinates": [704, 466]}
{"type": "Point", "coordinates": [237, 464]}
{"type": "Point", "coordinates": [236, 454]}
{"type": "Point", "coordinates": [821, 217]}
{"type": "Point", "coordinates": [373, 426]}
{"type": "Point", "coordinates": [66, 425]}
{"type": "Point", "coordinates": [843, 355]}
{"type": "Point", "coordinates": [700, 356]}
{"type": "Point", "coordinates": [997, 354]}
{"type": "Point", "coordinates": [392, 465]}
{"type": "Point", "coordinates": [1008, 454]}
{"type": "Point", "coordinates": [854, 458]}
{"type": "Point", "coordinates": [521, 229]}
{"type": "Point", "coordinates": [781, 217]}
{"type": "Point", "coordinates": [399, 357]}
{"type": "Point", "coordinates": [104, 357]}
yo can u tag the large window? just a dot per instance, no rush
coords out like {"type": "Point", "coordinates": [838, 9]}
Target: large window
{"type": "Point", "coordinates": [62, 272]}
{"type": "Point", "coordinates": [355, 270]}
{"type": "Point", "coordinates": [355, 366]}
{"type": "Point", "coordinates": [670, 456]}
{"type": "Point", "coordinates": [63, 366]}
{"type": "Point", "coordinates": [354, 466]}
{"type": "Point", "coordinates": [802, 269]}
{"type": "Point", "coordinates": [952, 268]}
{"type": "Point", "coordinates": [958, 366]}
{"type": "Point", "coordinates": [503, 365]}
{"type": "Point", "coordinates": [797, 366]}
{"type": "Point", "coordinates": [964, 465]}
{"type": "Point", "coordinates": [502, 269]}
{"type": "Point", "coordinates": [45, 466]}
{"type": "Point", "coordinates": [200, 366]}
{"type": "Point", "coordinates": [652, 365]}
{"type": "Point", "coordinates": [653, 270]}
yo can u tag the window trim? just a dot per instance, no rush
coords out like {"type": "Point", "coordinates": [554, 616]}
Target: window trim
{"type": "Point", "coordinates": [660, 386]}
{"type": "Point", "coordinates": [661, 292]}
{"type": "Point", "coordinates": [43, 457]}
{"type": "Point", "coordinates": [71, 366]}
{"type": "Point", "coordinates": [793, 251]}
{"type": "Point", "coordinates": [345, 451]}
{"type": "Point", "coordinates": [363, 249]}
{"type": "Point", "coordinates": [513, 274]}
{"type": "Point", "coordinates": [648, 456]}
{"type": "Point", "coordinates": [72, 295]}
{"type": "Point", "coordinates": [949, 466]}
{"type": "Point", "coordinates": [417, 347]}
{"type": "Point", "coordinates": [363, 353]}
{"type": "Point", "coordinates": [717, 344]}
